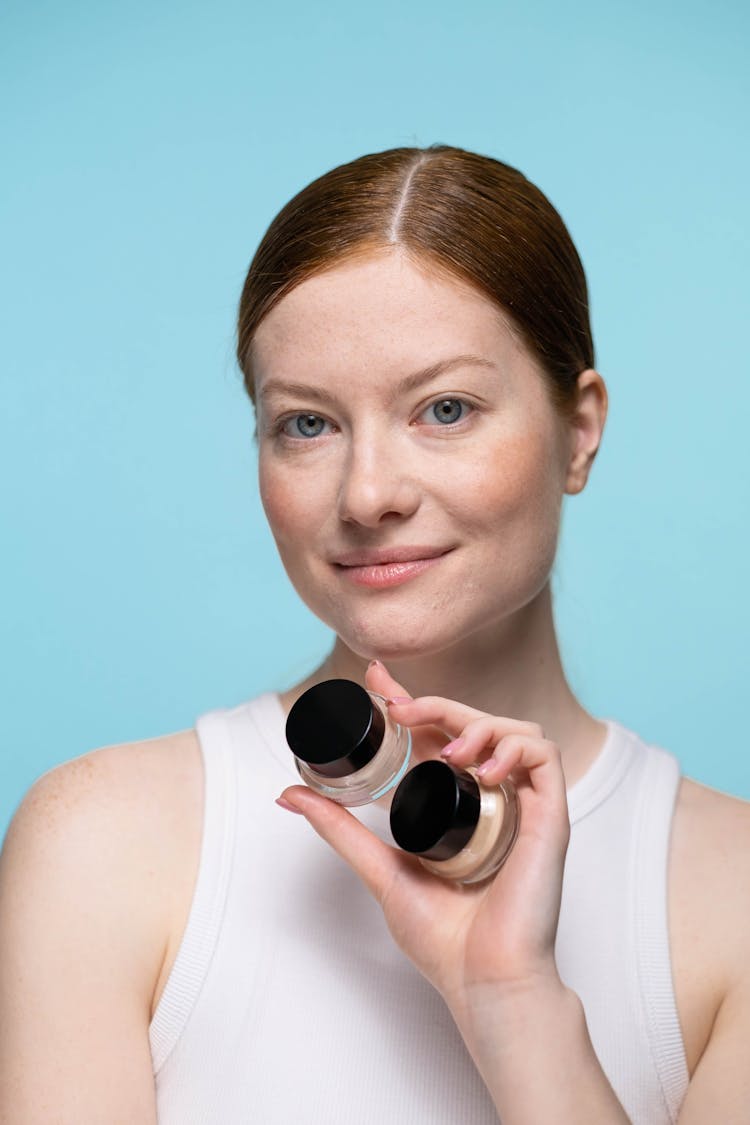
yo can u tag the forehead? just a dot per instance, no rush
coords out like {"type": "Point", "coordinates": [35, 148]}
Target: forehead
{"type": "Point", "coordinates": [386, 312]}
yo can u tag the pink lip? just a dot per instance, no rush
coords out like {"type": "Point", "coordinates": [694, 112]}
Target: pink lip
{"type": "Point", "coordinates": [378, 556]}
{"type": "Point", "coordinates": [391, 571]}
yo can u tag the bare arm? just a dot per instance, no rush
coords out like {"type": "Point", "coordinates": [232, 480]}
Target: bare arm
{"type": "Point", "coordinates": [79, 948]}
{"type": "Point", "coordinates": [537, 1060]}
{"type": "Point", "coordinates": [489, 950]}
{"type": "Point", "coordinates": [533, 1050]}
{"type": "Point", "coordinates": [719, 1089]}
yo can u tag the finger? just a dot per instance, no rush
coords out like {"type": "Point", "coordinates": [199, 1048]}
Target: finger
{"type": "Point", "coordinates": [481, 736]}
{"type": "Point", "coordinates": [539, 757]}
{"type": "Point", "coordinates": [447, 715]}
{"type": "Point", "coordinates": [379, 680]}
{"type": "Point", "coordinates": [453, 717]}
{"type": "Point", "coordinates": [374, 861]}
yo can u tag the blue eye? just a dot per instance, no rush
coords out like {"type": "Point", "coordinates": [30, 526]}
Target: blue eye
{"type": "Point", "coordinates": [304, 425]}
{"type": "Point", "coordinates": [449, 410]}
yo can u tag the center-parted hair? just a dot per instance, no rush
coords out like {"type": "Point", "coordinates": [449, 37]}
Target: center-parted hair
{"type": "Point", "coordinates": [467, 215]}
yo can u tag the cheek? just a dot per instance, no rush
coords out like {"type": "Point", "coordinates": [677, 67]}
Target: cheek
{"type": "Point", "coordinates": [518, 497]}
{"type": "Point", "coordinates": [518, 478]}
{"type": "Point", "coordinates": [279, 499]}
{"type": "Point", "coordinates": [296, 505]}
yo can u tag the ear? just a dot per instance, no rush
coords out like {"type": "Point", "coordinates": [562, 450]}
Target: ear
{"type": "Point", "coordinates": [586, 428]}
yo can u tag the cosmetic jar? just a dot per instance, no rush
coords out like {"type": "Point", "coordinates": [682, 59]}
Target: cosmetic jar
{"type": "Point", "coordinates": [459, 828]}
{"type": "Point", "coordinates": [345, 744]}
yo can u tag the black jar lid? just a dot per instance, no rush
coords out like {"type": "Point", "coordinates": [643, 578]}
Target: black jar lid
{"type": "Point", "coordinates": [435, 810]}
{"type": "Point", "coordinates": [335, 728]}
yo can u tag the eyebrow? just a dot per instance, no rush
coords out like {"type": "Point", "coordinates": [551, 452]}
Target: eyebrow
{"type": "Point", "coordinates": [409, 383]}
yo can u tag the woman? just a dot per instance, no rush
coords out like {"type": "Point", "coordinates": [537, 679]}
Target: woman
{"type": "Point", "coordinates": [414, 334]}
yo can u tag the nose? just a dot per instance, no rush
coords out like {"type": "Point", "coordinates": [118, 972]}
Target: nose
{"type": "Point", "coordinates": [376, 483]}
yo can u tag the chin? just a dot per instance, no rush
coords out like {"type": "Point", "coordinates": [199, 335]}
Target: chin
{"type": "Point", "coordinates": [386, 628]}
{"type": "Point", "coordinates": [398, 640]}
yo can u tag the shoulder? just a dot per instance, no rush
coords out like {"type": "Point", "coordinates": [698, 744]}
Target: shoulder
{"type": "Point", "coordinates": [711, 872]}
{"type": "Point", "coordinates": [710, 937]}
{"type": "Point", "coordinates": [711, 832]}
{"type": "Point", "coordinates": [110, 827]}
{"type": "Point", "coordinates": [130, 790]}
{"type": "Point", "coordinates": [714, 826]}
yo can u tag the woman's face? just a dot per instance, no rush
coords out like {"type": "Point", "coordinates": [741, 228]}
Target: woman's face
{"type": "Point", "coordinates": [400, 418]}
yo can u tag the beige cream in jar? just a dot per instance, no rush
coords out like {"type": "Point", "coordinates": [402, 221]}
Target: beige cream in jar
{"type": "Point", "coordinates": [457, 827]}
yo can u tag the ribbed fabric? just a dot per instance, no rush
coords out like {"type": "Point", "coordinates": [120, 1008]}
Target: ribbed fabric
{"type": "Point", "coordinates": [209, 897]}
{"type": "Point", "coordinates": [650, 912]}
{"type": "Point", "coordinates": [289, 1001]}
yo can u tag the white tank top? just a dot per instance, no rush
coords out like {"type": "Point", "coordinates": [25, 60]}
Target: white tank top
{"type": "Point", "coordinates": [289, 1001]}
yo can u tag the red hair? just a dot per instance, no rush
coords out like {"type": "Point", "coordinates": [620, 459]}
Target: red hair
{"type": "Point", "coordinates": [462, 213]}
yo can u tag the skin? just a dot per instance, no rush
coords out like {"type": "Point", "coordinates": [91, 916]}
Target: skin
{"type": "Point", "coordinates": [384, 470]}
{"type": "Point", "coordinates": [471, 653]}
{"type": "Point", "coordinates": [470, 642]}
{"type": "Point", "coordinates": [472, 657]}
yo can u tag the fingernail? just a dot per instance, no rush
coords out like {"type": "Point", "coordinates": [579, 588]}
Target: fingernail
{"type": "Point", "coordinates": [374, 664]}
{"type": "Point", "coordinates": [398, 699]}
{"type": "Point", "coordinates": [284, 804]}
{"type": "Point", "coordinates": [451, 746]}
{"type": "Point", "coordinates": [485, 768]}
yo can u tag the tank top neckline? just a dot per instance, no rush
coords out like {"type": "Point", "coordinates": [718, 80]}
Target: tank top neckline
{"type": "Point", "coordinates": [616, 887]}
{"type": "Point", "coordinates": [587, 793]}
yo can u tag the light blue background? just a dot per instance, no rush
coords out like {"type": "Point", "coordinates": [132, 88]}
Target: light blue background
{"type": "Point", "coordinates": [146, 149]}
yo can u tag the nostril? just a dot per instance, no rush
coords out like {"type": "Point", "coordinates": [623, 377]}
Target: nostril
{"type": "Point", "coordinates": [369, 499]}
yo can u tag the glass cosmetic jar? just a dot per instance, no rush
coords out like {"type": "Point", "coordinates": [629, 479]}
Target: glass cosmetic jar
{"type": "Point", "coordinates": [345, 744]}
{"type": "Point", "coordinates": [459, 828]}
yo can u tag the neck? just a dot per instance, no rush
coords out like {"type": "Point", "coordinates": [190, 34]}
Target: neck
{"type": "Point", "coordinates": [513, 669]}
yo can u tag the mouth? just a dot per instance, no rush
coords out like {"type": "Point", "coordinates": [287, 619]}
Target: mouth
{"type": "Point", "coordinates": [388, 566]}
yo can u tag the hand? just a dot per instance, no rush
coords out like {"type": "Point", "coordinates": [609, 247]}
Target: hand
{"type": "Point", "coordinates": [469, 941]}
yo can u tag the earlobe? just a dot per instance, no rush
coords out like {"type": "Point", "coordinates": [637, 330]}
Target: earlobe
{"type": "Point", "coordinates": [587, 428]}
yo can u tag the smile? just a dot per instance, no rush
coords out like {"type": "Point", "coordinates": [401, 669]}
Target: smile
{"type": "Point", "coordinates": [386, 574]}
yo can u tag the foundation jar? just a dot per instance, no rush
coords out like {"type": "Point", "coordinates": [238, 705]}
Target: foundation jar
{"type": "Point", "coordinates": [345, 744]}
{"type": "Point", "coordinates": [458, 828]}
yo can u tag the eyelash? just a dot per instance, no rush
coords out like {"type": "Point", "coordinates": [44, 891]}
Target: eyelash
{"type": "Point", "coordinates": [278, 428]}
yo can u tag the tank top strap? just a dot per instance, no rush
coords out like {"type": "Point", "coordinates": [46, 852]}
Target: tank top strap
{"type": "Point", "coordinates": [210, 891]}
{"type": "Point", "coordinates": [650, 856]}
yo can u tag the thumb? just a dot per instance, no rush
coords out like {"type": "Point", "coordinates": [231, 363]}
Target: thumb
{"type": "Point", "coordinates": [374, 861]}
{"type": "Point", "coordinates": [379, 679]}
